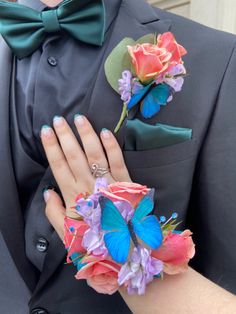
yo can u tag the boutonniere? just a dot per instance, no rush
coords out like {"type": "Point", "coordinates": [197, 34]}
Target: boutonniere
{"type": "Point", "coordinates": [146, 73]}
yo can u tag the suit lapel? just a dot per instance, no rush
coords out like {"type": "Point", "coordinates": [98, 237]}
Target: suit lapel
{"type": "Point", "coordinates": [135, 19]}
{"type": "Point", "coordinates": [11, 220]}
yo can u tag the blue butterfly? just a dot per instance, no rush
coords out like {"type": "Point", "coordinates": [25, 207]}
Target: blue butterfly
{"type": "Point", "coordinates": [119, 233]}
{"type": "Point", "coordinates": [152, 97]}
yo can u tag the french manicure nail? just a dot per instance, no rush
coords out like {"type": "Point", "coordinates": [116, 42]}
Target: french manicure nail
{"type": "Point", "coordinates": [106, 134]}
{"type": "Point", "coordinates": [58, 121]}
{"type": "Point", "coordinates": [49, 187]}
{"type": "Point", "coordinates": [46, 195]}
{"type": "Point", "coordinates": [79, 120]}
{"type": "Point", "coordinates": [46, 131]}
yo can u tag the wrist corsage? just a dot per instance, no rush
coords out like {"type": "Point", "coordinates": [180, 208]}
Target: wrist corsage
{"type": "Point", "coordinates": [116, 241]}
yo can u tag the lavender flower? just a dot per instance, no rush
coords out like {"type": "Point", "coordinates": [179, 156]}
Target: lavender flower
{"type": "Point", "coordinates": [100, 183]}
{"type": "Point", "coordinates": [128, 86]}
{"type": "Point", "coordinates": [139, 270]}
{"type": "Point", "coordinates": [125, 86]}
{"type": "Point", "coordinates": [90, 210]}
{"type": "Point", "coordinates": [173, 78]}
{"type": "Point", "coordinates": [93, 242]}
{"type": "Point", "coordinates": [136, 86]}
{"type": "Point", "coordinates": [125, 209]}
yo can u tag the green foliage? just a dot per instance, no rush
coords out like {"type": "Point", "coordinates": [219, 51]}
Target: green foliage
{"type": "Point", "coordinates": [171, 226]}
{"type": "Point", "coordinates": [150, 38]}
{"type": "Point", "coordinates": [117, 62]}
{"type": "Point", "coordinates": [120, 60]}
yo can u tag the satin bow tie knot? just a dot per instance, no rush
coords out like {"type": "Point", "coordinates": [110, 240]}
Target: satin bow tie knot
{"type": "Point", "coordinates": [25, 29]}
{"type": "Point", "coordinates": [50, 21]}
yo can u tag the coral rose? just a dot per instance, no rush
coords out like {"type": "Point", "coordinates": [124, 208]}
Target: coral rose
{"type": "Point", "coordinates": [150, 60]}
{"type": "Point", "coordinates": [168, 42]}
{"type": "Point", "coordinates": [101, 274]}
{"type": "Point", "coordinates": [175, 252]}
{"type": "Point", "coordinates": [74, 231]}
{"type": "Point", "coordinates": [120, 191]}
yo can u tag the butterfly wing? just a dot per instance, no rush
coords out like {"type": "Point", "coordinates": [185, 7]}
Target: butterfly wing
{"type": "Point", "coordinates": [136, 98]}
{"type": "Point", "coordinates": [117, 237]}
{"type": "Point", "coordinates": [154, 99]}
{"type": "Point", "coordinates": [147, 228]}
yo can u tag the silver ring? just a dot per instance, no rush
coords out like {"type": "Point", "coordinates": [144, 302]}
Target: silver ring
{"type": "Point", "coordinates": [98, 172]}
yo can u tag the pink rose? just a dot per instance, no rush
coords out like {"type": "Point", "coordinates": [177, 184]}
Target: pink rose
{"type": "Point", "coordinates": [74, 231]}
{"type": "Point", "coordinates": [128, 191]}
{"type": "Point", "coordinates": [101, 274]}
{"type": "Point", "coordinates": [175, 252]}
{"type": "Point", "coordinates": [150, 60]}
{"type": "Point", "coordinates": [168, 42]}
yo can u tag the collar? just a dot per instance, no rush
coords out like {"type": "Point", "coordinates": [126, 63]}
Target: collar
{"type": "Point", "coordinates": [111, 8]}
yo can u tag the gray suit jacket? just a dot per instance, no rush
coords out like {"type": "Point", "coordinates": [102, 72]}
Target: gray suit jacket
{"type": "Point", "coordinates": [196, 178]}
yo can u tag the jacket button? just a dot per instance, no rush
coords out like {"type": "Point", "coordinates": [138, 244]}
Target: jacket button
{"type": "Point", "coordinates": [52, 61]}
{"type": "Point", "coordinates": [39, 311]}
{"type": "Point", "coordinates": [42, 245]}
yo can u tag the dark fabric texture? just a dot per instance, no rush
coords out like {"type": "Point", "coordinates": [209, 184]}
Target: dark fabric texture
{"type": "Point", "coordinates": [37, 95]}
{"type": "Point", "coordinates": [196, 178]}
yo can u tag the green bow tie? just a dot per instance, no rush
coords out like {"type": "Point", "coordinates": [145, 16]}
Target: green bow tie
{"type": "Point", "coordinates": [25, 29]}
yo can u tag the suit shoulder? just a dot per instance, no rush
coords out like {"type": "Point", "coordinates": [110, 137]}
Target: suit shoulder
{"type": "Point", "coordinates": [185, 28]}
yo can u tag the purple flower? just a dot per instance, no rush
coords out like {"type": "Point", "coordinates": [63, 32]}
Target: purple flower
{"type": "Point", "coordinates": [128, 86]}
{"type": "Point", "coordinates": [173, 78]}
{"type": "Point", "coordinates": [90, 210]}
{"type": "Point", "coordinates": [139, 270]}
{"type": "Point", "coordinates": [125, 86]}
{"type": "Point", "coordinates": [136, 87]}
{"type": "Point", "coordinates": [125, 209]}
{"type": "Point", "coordinates": [100, 183]}
{"type": "Point", "coordinates": [93, 242]}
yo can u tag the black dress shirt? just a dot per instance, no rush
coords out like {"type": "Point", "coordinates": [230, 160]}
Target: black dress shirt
{"type": "Point", "coordinates": [52, 81]}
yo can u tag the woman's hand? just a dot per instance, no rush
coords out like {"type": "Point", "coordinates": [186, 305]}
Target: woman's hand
{"type": "Point", "coordinates": [71, 165]}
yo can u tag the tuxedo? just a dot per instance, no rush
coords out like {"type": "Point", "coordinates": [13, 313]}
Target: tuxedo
{"type": "Point", "coordinates": [195, 178]}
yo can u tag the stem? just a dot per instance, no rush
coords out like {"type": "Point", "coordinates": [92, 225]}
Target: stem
{"type": "Point", "coordinates": [122, 118]}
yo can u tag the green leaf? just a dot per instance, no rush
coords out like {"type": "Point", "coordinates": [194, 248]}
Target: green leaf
{"type": "Point", "coordinates": [171, 226]}
{"type": "Point", "coordinates": [117, 62]}
{"type": "Point", "coordinates": [150, 39]}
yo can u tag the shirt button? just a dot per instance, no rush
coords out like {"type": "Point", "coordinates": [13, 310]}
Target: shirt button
{"type": "Point", "coordinates": [39, 311]}
{"type": "Point", "coordinates": [52, 61]}
{"type": "Point", "coordinates": [42, 245]}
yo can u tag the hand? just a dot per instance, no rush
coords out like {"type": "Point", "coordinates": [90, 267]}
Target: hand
{"type": "Point", "coordinates": [71, 168]}
{"type": "Point", "coordinates": [71, 165]}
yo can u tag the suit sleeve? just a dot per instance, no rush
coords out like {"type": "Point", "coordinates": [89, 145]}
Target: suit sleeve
{"type": "Point", "coordinates": [212, 210]}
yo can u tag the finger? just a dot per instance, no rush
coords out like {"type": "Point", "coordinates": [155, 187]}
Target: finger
{"type": "Point", "coordinates": [74, 154]}
{"type": "Point", "coordinates": [115, 157]}
{"type": "Point", "coordinates": [56, 158]}
{"type": "Point", "coordinates": [55, 211]}
{"type": "Point", "coordinates": [91, 142]}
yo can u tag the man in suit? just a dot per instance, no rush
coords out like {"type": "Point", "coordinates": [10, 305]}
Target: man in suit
{"type": "Point", "coordinates": [196, 178]}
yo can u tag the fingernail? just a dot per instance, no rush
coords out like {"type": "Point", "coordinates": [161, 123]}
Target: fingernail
{"type": "Point", "coordinates": [79, 120]}
{"type": "Point", "coordinates": [49, 187]}
{"type": "Point", "coordinates": [46, 131]}
{"type": "Point", "coordinates": [46, 195]}
{"type": "Point", "coordinates": [106, 134]}
{"type": "Point", "coordinates": [58, 121]}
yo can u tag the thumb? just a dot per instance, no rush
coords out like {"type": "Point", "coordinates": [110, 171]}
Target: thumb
{"type": "Point", "coordinates": [55, 211]}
